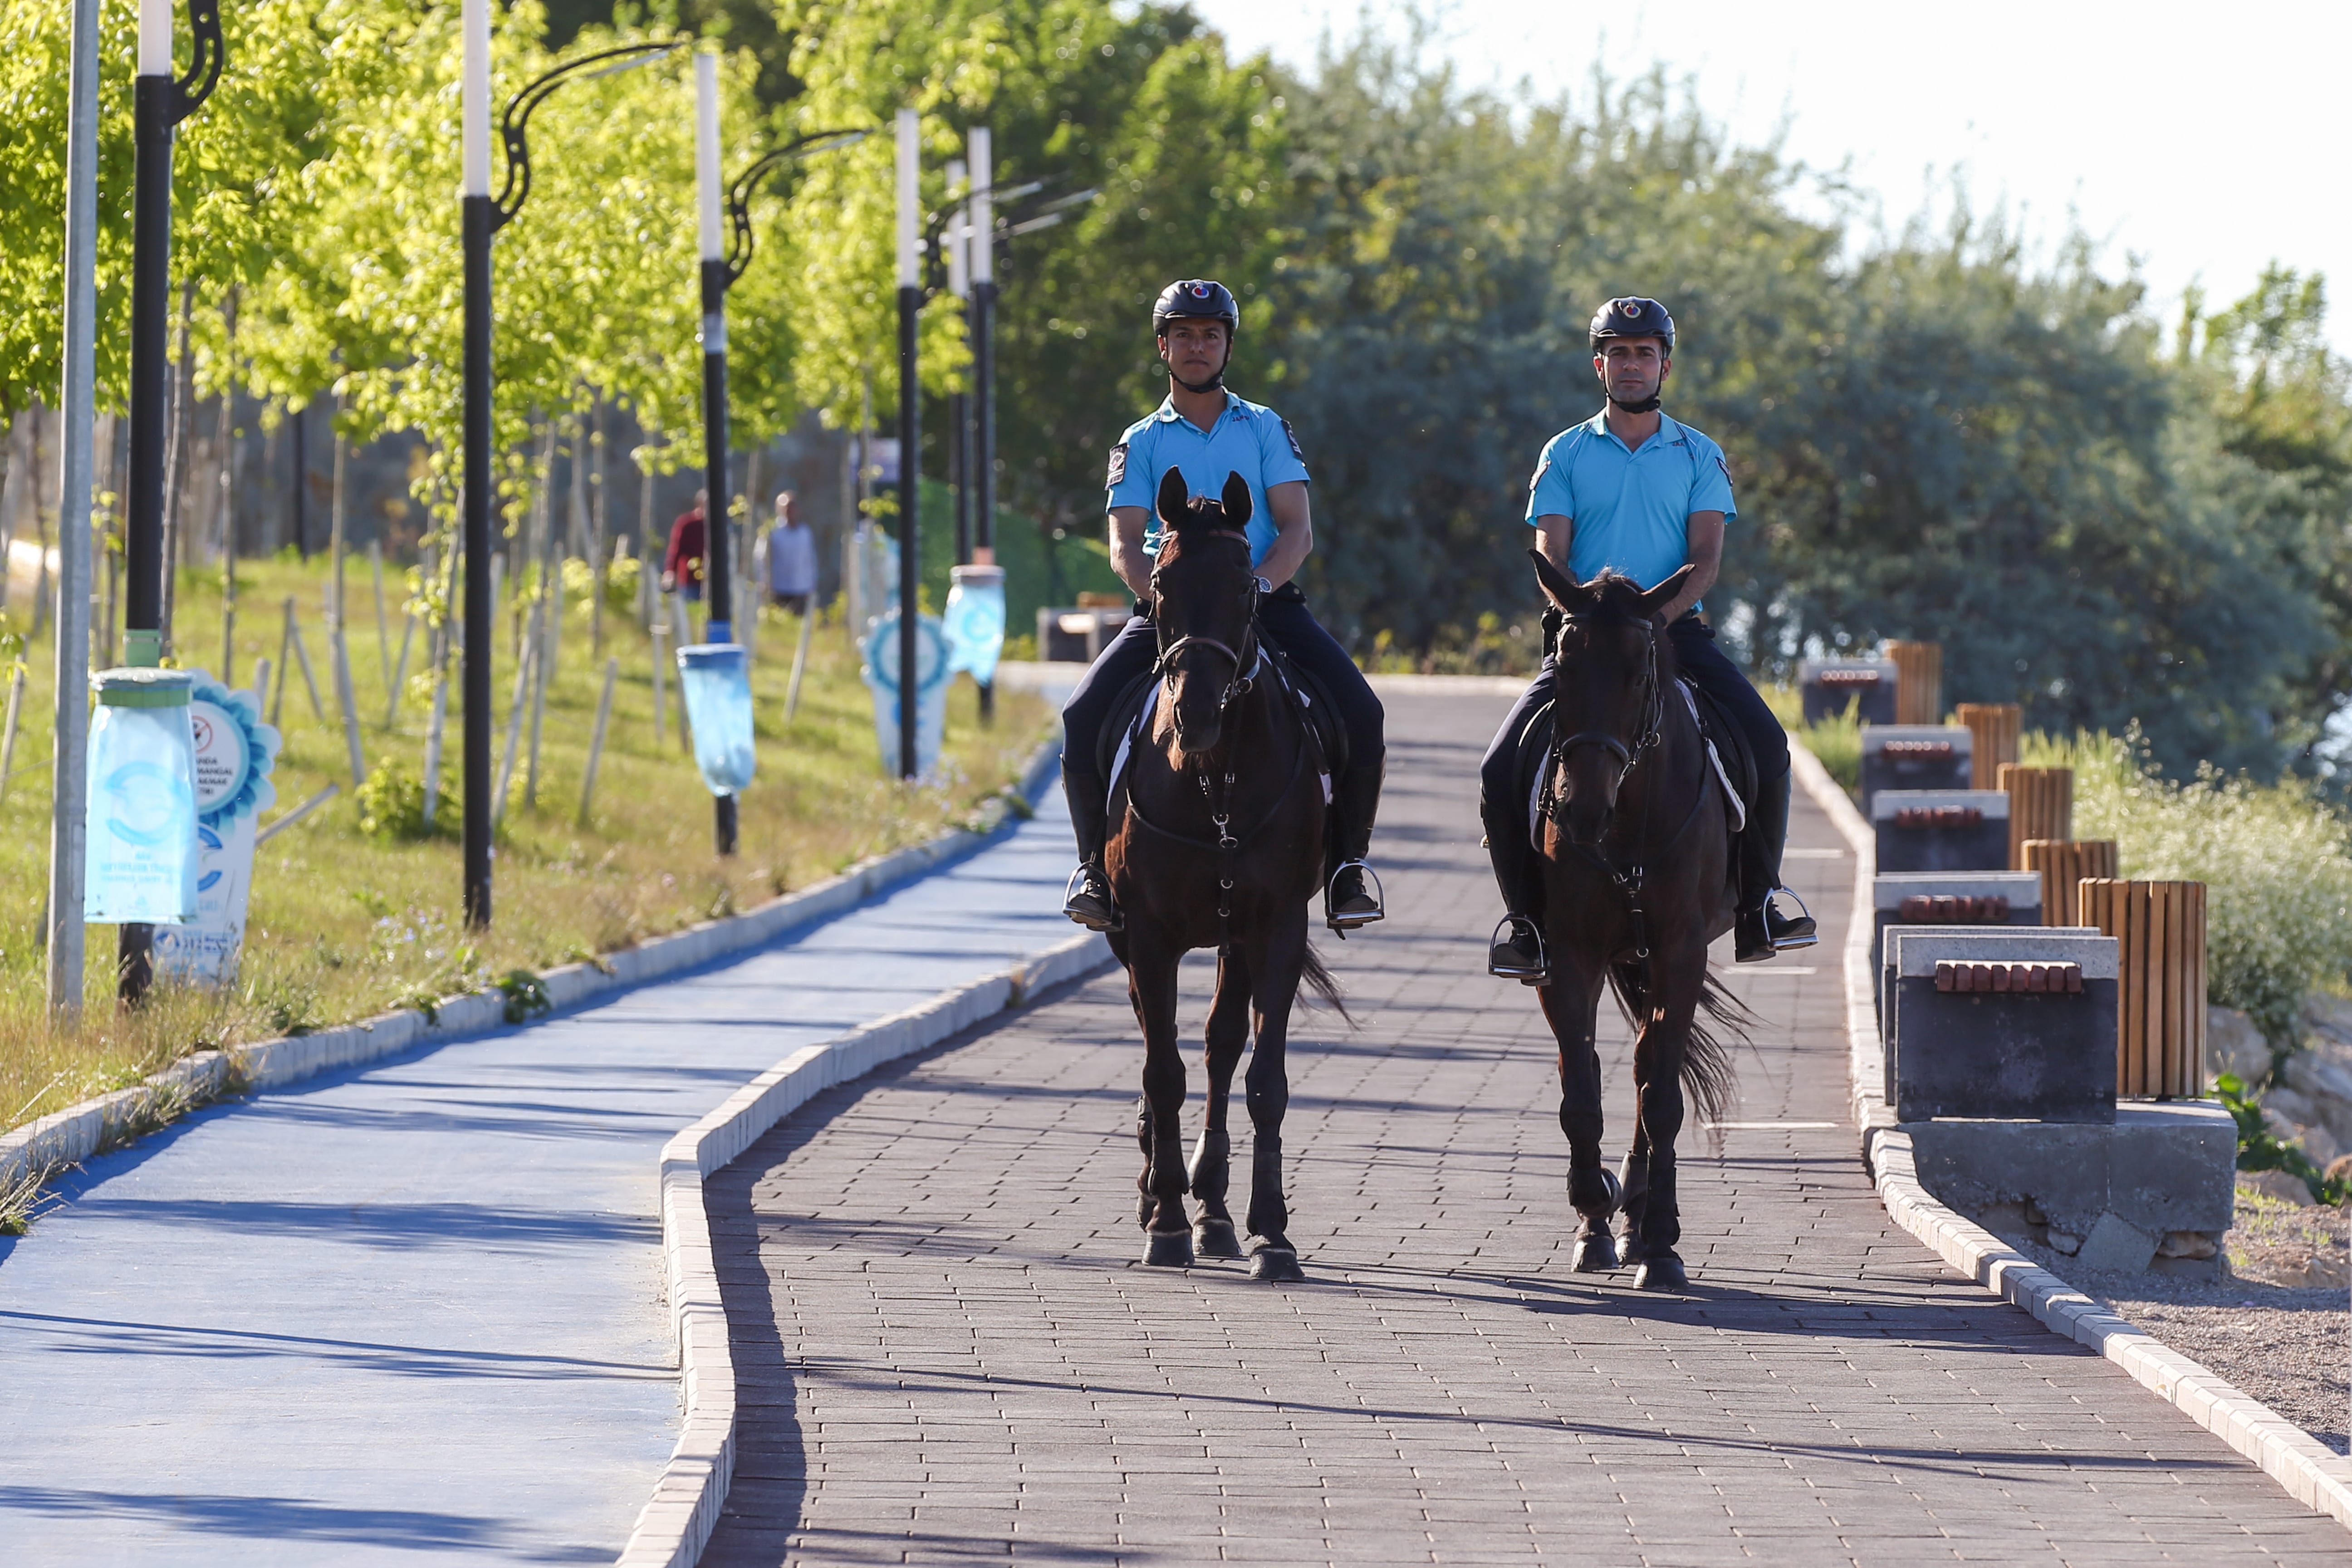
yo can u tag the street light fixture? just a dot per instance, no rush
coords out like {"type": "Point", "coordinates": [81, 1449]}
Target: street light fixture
{"type": "Point", "coordinates": [158, 103]}
{"type": "Point", "coordinates": [483, 215]}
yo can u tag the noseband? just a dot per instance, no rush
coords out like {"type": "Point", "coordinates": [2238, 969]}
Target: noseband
{"type": "Point", "coordinates": [1243, 660]}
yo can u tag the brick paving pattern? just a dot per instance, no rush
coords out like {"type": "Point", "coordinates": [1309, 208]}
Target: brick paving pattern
{"type": "Point", "coordinates": [951, 1353]}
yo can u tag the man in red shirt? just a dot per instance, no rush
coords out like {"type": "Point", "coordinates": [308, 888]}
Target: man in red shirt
{"type": "Point", "coordinates": [682, 565]}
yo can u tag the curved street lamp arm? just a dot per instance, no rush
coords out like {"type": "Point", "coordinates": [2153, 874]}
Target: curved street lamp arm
{"type": "Point", "coordinates": [738, 195]}
{"type": "Point", "coordinates": [515, 121]}
{"type": "Point", "coordinates": [190, 92]}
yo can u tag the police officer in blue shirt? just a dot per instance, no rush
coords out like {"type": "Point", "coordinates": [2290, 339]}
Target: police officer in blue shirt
{"type": "Point", "coordinates": [1635, 490]}
{"type": "Point", "coordinates": [1209, 433]}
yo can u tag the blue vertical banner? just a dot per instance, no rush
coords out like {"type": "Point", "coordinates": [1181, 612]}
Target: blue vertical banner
{"type": "Point", "coordinates": [235, 754]}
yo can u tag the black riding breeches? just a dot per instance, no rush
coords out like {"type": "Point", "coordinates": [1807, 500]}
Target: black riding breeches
{"type": "Point", "coordinates": [1502, 804]}
{"type": "Point", "coordinates": [1283, 620]}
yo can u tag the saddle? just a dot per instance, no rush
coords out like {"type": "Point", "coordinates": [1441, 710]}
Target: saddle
{"type": "Point", "coordinates": [1131, 719]}
{"type": "Point", "coordinates": [1726, 748]}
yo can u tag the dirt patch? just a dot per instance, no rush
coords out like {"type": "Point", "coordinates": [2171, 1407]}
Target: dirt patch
{"type": "Point", "coordinates": [2277, 1323]}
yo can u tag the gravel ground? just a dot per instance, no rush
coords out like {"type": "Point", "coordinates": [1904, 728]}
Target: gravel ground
{"type": "Point", "coordinates": [2277, 1324]}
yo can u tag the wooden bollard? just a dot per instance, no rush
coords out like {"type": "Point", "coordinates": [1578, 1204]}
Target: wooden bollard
{"type": "Point", "coordinates": [2159, 931]}
{"type": "Point", "coordinates": [2064, 865]}
{"type": "Point", "coordinates": [1918, 681]}
{"type": "Point", "coordinates": [1993, 726]}
{"type": "Point", "coordinates": [2041, 806]}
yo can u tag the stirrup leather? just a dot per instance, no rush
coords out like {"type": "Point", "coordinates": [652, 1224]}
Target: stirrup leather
{"type": "Point", "coordinates": [1540, 973]}
{"type": "Point", "coordinates": [1344, 924]}
{"type": "Point", "coordinates": [1791, 943]}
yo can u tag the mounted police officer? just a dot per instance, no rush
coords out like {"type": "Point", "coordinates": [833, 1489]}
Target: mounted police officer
{"type": "Point", "coordinates": [1209, 433]}
{"type": "Point", "coordinates": [1635, 489]}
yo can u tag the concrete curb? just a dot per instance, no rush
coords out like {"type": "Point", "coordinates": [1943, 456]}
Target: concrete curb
{"type": "Point", "coordinates": [676, 1523]}
{"type": "Point", "coordinates": [2311, 1472]}
{"type": "Point", "coordinates": [36, 1151]}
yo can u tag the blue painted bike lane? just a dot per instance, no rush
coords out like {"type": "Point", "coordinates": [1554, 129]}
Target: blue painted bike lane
{"type": "Point", "coordinates": [414, 1309]}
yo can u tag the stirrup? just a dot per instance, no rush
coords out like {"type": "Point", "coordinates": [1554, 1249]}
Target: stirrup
{"type": "Point", "coordinates": [1344, 924]}
{"type": "Point", "coordinates": [1806, 935]}
{"type": "Point", "coordinates": [1070, 894]}
{"type": "Point", "coordinates": [1539, 975]}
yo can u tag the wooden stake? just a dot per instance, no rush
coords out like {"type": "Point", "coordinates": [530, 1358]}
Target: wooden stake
{"type": "Point", "coordinates": [660, 636]}
{"type": "Point", "coordinates": [800, 660]}
{"type": "Point", "coordinates": [261, 686]}
{"type": "Point", "coordinates": [1918, 681]}
{"type": "Point", "coordinates": [8, 734]}
{"type": "Point", "coordinates": [596, 740]}
{"type": "Point", "coordinates": [382, 636]}
{"type": "Point", "coordinates": [2041, 806]}
{"type": "Point", "coordinates": [350, 706]}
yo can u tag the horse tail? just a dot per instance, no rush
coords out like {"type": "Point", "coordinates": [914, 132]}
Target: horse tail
{"type": "Point", "coordinates": [1709, 1076]}
{"type": "Point", "coordinates": [1326, 987]}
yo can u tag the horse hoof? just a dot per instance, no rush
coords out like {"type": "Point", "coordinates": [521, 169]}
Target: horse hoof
{"type": "Point", "coordinates": [1215, 1238]}
{"type": "Point", "coordinates": [1594, 1254]}
{"type": "Point", "coordinates": [1170, 1249]}
{"type": "Point", "coordinates": [1276, 1265]}
{"type": "Point", "coordinates": [1664, 1272]}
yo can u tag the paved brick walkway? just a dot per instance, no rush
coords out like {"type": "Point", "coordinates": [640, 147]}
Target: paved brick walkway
{"type": "Point", "coordinates": [953, 1356]}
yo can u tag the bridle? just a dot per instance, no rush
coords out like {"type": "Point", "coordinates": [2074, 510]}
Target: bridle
{"type": "Point", "coordinates": [1654, 716]}
{"type": "Point", "coordinates": [1243, 660]}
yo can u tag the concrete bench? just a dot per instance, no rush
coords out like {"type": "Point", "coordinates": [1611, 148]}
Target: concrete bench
{"type": "Point", "coordinates": [1825, 686]}
{"type": "Point", "coordinates": [1915, 756]}
{"type": "Point", "coordinates": [1989, 1037]}
{"type": "Point", "coordinates": [1941, 829]}
{"type": "Point", "coordinates": [1982, 898]}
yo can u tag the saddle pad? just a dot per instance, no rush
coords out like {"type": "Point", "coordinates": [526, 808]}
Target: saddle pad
{"type": "Point", "coordinates": [1738, 806]}
{"type": "Point", "coordinates": [1134, 730]}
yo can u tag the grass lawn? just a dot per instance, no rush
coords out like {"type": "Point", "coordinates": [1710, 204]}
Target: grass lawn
{"type": "Point", "coordinates": [344, 923]}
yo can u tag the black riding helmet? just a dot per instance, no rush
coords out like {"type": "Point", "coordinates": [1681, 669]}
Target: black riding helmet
{"type": "Point", "coordinates": [1632, 317]}
{"type": "Point", "coordinates": [1196, 297]}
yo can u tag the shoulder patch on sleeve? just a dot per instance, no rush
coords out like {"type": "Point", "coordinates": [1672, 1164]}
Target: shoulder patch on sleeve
{"type": "Point", "coordinates": [1720, 462]}
{"type": "Point", "coordinates": [1296, 450]}
{"type": "Point", "coordinates": [1117, 465]}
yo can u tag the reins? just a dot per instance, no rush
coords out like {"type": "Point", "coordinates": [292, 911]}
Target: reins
{"type": "Point", "coordinates": [1628, 880]}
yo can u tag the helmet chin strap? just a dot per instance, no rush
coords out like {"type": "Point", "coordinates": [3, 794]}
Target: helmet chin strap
{"type": "Point", "coordinates": [1212, 385]}
{"type": "Point", "coordinates": [1642, 406]}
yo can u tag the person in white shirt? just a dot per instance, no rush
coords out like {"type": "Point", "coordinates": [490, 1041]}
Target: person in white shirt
{"type": "Point", "coordinates": [792, 559]}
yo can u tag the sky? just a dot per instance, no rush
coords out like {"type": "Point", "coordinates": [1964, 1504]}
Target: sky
{"type": "Point", "coordinates": [2201, 141]}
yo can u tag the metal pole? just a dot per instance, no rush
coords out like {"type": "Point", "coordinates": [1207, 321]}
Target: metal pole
{"type": "Point", "coordinates": [480, 217]}
{"type": "Point", "coordinates": [151, 286]}
{"type": "Point", "coordinates": [956, 235]}
{"type": "Point", "coordinates": [718, 584]}
{"type": "Point", "coordinates": [981, 467]}
{"type": "Point", "coordinates": [77, 401]}
{"type": "Point", "coordinates": [910, 533]}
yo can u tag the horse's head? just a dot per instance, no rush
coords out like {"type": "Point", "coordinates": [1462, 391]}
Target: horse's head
{"type": "Point", "coordinates": [1609, 691]}
{"type": "Point", "coordinates": [1204, 606]}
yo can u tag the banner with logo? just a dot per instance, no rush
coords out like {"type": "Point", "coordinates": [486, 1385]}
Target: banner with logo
{"type": "Point", "coordinates": [236, 752]}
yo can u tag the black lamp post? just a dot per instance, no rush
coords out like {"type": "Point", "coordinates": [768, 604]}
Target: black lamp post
{"type": "Point", "coordinates": [158, 103]}
{"type": "Point", "coordinates": [483, 217]}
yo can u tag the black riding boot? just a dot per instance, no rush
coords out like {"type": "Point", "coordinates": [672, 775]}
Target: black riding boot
{"type": "Point", "coordinates": [1089, 901]}
{"type": "Point", "coordinates": [1761, 930]}
{"type": "Point", "coordinates": [1517, 952]}
{"type": "Point", "coordinates": [1353, 898]}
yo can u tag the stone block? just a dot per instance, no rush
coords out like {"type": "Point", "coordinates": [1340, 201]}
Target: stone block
{"type": "Point", "coordinates": [1915, 756]}
{"type": "Point", "coordinates": [2022, 889]}
{"type": "Point", "coordinates": [2048, 1056]}
{"type": "Point", "coordinates": [1940, 829]}
{"type": "Point", "coordinates": [2117, 1246]}
{"type": "Point", "coordinates": [1826, 686]}
{"type": "Point", "coordinates": [2161, 1167]}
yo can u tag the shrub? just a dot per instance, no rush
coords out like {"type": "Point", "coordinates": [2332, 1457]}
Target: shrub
{"type": "Point", "coordinates": [392, 806]}
{"type": "Point", "coordinates": [1835, 742]}
{"type": "Point", "coordinates": [2276, 860]}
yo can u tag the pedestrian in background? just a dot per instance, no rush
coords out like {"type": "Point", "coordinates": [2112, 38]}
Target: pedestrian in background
{"type": "Point", "coordinates": [792, 559]}
{"type": "Point", "coordinates": [682, 565]}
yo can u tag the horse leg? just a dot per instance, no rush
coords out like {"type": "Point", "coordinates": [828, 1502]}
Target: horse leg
{"type": "Point", "coordinates": [1569, 1004]}
{"type": "Point", "coordinates": [1228, 1035]}
{"type": "Point", "coordinates": [1658, 1081]}
{"type": "Point", "coordinates": [1152, 985]}
{"type": "Point", "coordinates": [1275, 969]}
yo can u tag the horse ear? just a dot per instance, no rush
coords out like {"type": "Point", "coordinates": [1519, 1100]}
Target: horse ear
{"type": "Point", "coordinates": [1558, 587]}
{"type": "Point", "coordinates": [1237, 504]}
{"type": "Point", "coordinates": [1659, 595]}
{"type": "Point", "coordinates": [1175, 499]}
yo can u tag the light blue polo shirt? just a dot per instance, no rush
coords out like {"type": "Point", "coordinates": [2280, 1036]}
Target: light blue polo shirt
{"type": "Point", "coordinates": [1632, 507]}
{"type": "Point", "coordinates": [1248, 438]}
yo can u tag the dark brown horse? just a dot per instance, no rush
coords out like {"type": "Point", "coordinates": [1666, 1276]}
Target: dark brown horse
{"type": "Point", "coordinates": [1217, 840]}
{"type": "Point", "coordinates": [1638, 879]}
